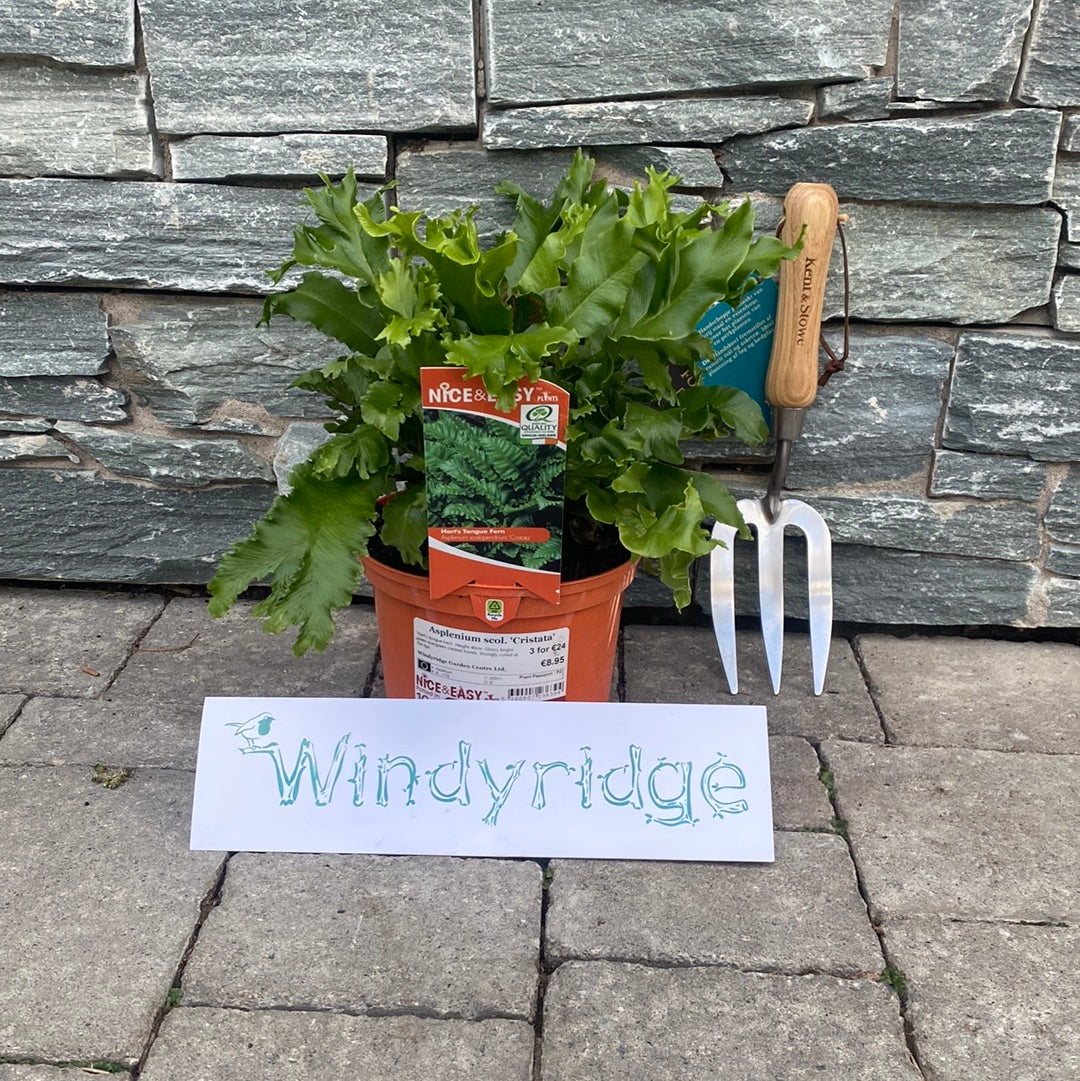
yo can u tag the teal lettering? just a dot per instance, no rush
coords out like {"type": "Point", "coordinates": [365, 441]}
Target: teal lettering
{"type": "Point", "coordinates": [633, 793]}
{"type": "Point", "coordinates": [461, 793]}
{"type": "Point", "coordinates": [358, 777]}
{"type": "Point", "coordinates": [712, 785]}
{"type": "Point", "coordinates": [499, 795]}
{"type": "Point", "coordinates": [539, 800]}
{"type": "Point", "coordinates": [288, 781]}
{"type": "Point", "coordinates": [386, 764]}
{"type": "Point", "coordinates": [680, 803]}
{"type": "Point", "coordinates": [584, 781]}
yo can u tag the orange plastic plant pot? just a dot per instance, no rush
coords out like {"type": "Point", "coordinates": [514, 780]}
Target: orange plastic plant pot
{"type": "Point", "coordinates": [445, 648]}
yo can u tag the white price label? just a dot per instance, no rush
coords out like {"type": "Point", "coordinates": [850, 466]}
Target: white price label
{"type": "Point", "coordinates": [452, 663]}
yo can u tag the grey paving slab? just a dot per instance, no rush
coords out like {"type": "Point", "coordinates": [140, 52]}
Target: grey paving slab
{"type": "Point", "coordinates": [961, 833]}
{"type": "Point", "coordinates": [620, 1022]}
{"type": "Point", "coordinates": [801, 913]}
{"type": "Point", "coordinates": [188, 655]}
{"type": "Point", "coordinates": [50, 1073]}
{"type": "Point", "coordinates": [100, 898]}
{"type": "Point", "coordinates": [800, 800]}
{"type": "Point", "coordinates": [682, 664]}
{"type": "Point", "coordinates": [973, 692]}
{"type": "Point", "coordinates": [999, 1002]}
{"type": "Point", "coordinates": [140, 735]}
{"type": "Point", "coordinates": [9, 706]}
{"type": "Point", "coordinates": [68, 642]}
{"type": "Point", "coordinates": [230, 1045]}
{"type": "Point", "coordinates": [450, 937]}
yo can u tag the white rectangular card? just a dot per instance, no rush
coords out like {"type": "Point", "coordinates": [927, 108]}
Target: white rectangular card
{"type": "Point", "coordinates": [464, 778]}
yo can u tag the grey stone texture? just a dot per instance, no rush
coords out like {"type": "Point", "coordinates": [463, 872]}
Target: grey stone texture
{"type": "Point", "coordinates": [844, 709]}
{"type": "Point", "coordinates": [82, 123]}
{"type": "Point", "coordinates": [1004, 530]}
{"type": "Point", "coordinates": [960, 50]}
{"type": "Point", "coordinates": [1053, 55]}
{"type": "Point", "coordinates": [52, 334]}
{"type": "Point", "coordinates": [391, 929]}
{"type": "Point", "coordinates": [1063, 602]}
{"type": "Point", "coordinates": [1066, 304]}
{"type": "Point", "coordinates": [622, 1022]}
{"type": "Point", "coordinates": [946, 264]}
{"type": "Point", "coordinates": [299, 442]}
{"type": "Point", "coordinates": [986, 476]}
{"type": "Point", "coordinates": [1000, 157]}
{"type": "Point", "coordinates": [303, 155]}
{"type": "Point", "coordinates": [23, 448]}
{"type": "Point", "coordinates": [880, 585]}
{"type": "Point", "coordinates": [333, 65]}
{"type": "Point", "coordinates": [1069, 256]}
{"type": "Point", "coordinates": [61, 398]}
{"type": "Point", "coordinates": [170, 462]}
{"type": "Point", "coordinates": [203, 363]}
{"type": "Point", "coordinates": [97, 34]}
{"type": "Point", "coordinates": [994, 1001]}
{"type": "Point", "coordinates": [604, 123]}
{"type": "Point", "coordinates": [71, 525]}
{"type": "Point", "coordinates": [573, 50]}
{"type": "Point", "coordinates": [1013, 394]}
{"type": "Point", "coordinates": [867, 99]}
{"type": "Point", "coordinates": [158, 236]}
{"type": "Point", "coordinates": [439, 179]}
{"type": "Point", "coordinates": [965, 692]}
{"type": "Point", "coordinates": [1063, 514]}
{"type": "Point", "coordinates": [1064, 560]}
{"type": "Point", "coordinates": [973, 834]}
{"type": "Point", "coordinates": [30, 425]}
{"type": "Point", "coordinates": [252, 1046]}
{"type": "Point", "coordinates": [1070, 133]}
{"type": "Point", "coordinates": [877, 419]}
{"type": "Point", "coordinates": [696, 166]}
{"type": "Point", "coordinates": [68, 643]}
{"type": "Point", "coordinates": [118, 877]}
{"type": "Point", "coordinates": [1066, 193]}
{"type": "Point", "coordinates": [893, 586]}
{"type": "Point", "coordinates": [801, 913]}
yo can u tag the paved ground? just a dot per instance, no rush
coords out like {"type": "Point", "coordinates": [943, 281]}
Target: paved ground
{"type": "Point", "coordinates": [922, 918]}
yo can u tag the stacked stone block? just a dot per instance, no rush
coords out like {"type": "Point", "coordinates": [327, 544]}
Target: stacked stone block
{"type": "Point", "coordinates": [151, 156]}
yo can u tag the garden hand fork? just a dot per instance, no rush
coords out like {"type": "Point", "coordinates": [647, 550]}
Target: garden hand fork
{"type": "Point", "coordinates": [790, 388]}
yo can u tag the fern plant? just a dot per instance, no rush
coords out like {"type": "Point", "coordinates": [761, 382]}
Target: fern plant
{"type": "Point", "coordinates": [597, 289]}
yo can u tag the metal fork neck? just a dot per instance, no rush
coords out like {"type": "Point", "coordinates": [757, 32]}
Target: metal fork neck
{"type": "Point", "coordinates": [787, 426]}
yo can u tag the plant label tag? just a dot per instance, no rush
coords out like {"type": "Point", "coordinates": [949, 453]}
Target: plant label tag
{"type": "Point", "coordinates": [494, 487]}
{"type": "Point", "coordinates": [742, 342]}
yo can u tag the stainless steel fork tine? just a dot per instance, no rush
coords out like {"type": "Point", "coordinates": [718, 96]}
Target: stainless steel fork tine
{"type": "Point", "coordinates": [819, 583]}
{"type": "Point", "coordinates": [770, 546]}
{"type": "Point", "coordinates": [722, 600]}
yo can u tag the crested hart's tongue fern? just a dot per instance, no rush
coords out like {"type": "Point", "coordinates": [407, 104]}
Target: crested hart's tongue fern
{"type": "Point", "coordinates": [597, 290]}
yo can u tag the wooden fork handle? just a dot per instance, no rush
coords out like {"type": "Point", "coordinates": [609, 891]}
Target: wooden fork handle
{"type": "Point", "coordinates": [791, 382]}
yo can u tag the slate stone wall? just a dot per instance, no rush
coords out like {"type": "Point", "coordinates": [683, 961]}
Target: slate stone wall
{"type": "Point", "coordinates": [151, 152]}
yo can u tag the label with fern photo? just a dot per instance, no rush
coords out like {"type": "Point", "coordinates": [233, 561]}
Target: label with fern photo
{"type": "Point", "coordinates": [494, 483]}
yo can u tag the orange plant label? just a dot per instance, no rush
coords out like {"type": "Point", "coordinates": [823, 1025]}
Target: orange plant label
{"type": "Point", "coordinates": [494, 484]}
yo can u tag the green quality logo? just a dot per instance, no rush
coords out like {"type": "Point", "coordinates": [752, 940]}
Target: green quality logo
{"type": "Point", "coordinates": [494, 610]}
{"type": "Point", "coordinates": [539, 422]}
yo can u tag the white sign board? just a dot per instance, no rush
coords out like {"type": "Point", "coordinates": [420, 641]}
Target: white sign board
{"type": "Point", "coordinates": [397, 776]}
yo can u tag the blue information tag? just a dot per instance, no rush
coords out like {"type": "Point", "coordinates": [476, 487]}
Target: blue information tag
{"type": "Point", "coordinates": [742, 341]}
